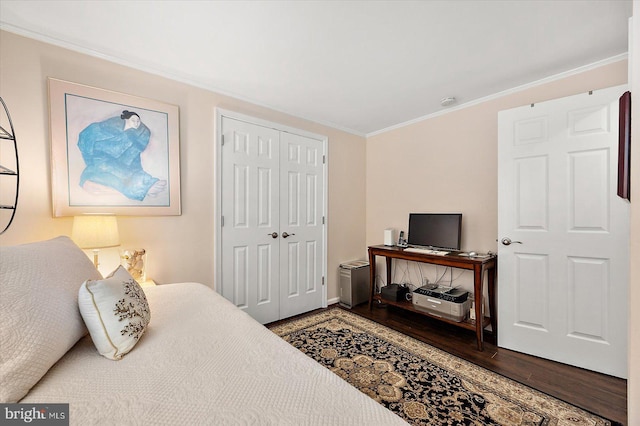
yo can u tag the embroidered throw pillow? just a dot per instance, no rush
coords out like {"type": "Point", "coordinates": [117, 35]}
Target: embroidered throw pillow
{"type": "Point", "coordinates": [115, 311]}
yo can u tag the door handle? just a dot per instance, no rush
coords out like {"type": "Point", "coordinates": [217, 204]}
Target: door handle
{"type": "Point", "coordinates": [507, 241]}
{"type": "Point", "coordinates": [273, 235]}
{"type": "Point", "coordinates": [285, 235]}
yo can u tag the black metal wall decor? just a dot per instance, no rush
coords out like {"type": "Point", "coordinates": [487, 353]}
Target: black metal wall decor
{"type": "Point", "coordinates": [12, 171]}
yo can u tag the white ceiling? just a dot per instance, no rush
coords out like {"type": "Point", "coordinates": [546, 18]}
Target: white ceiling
{"type": "Point", "coordinates": [361, 66]}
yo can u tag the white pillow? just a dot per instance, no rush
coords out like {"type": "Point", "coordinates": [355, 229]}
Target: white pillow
{"type": "Point", "coordinates": [39, 318]}
{"type": "Point", "coordinates": [115, 311]}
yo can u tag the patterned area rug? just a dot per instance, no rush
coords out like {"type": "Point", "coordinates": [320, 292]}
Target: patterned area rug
{"type": "Point", "coordinates": [422, 384]}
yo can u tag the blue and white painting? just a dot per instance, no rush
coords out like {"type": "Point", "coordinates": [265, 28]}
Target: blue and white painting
{"type": "Point", "coordinates": [118, 155]}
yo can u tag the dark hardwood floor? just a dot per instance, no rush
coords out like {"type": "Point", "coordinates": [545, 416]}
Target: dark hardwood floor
{"type": "Point", "coordinates": [598, 393]}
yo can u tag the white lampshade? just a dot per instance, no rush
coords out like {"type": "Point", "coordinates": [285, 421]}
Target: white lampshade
{"type": "Point", "coordinates": [93, 232]}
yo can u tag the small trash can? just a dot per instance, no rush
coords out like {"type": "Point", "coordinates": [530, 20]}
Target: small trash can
{"type": "Point", "coordinates": [354, 283]}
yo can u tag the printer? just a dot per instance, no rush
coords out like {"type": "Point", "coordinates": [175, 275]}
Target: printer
{"type": "Point", "coordinates": [444, 302]}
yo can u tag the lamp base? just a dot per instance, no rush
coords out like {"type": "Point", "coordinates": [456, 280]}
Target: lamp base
{"type": "Point", "coordinates": [95, 258]}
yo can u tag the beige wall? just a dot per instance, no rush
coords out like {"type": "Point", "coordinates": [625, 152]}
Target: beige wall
{"type": "Point", "coordinates": [633, 395]}
{"type": "Point", "coordinates": [180, 247]}
{"type": "Point", "coordinates": [448, 163]}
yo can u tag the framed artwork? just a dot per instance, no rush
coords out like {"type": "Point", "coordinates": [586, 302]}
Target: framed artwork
{"type": "Point", "coordinates": [112, 153]}
{"type": "Point", "coordinates": [624, 147]}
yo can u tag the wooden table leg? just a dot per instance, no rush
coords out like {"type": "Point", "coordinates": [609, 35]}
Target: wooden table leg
{"type": "Point", "coordinates": [388, 259]}
{"type": "Point", "coordinates": [372, 278]}
{"type": "Point", "coordinates": [491, 278]}
{"type": "Point", "coordinates": [477, 294]}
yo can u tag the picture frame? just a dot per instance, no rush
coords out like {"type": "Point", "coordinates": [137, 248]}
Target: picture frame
{"type": "Point", "coordinates": [624, 147]}
{"type": "Point", "coordinates": [112, 153]}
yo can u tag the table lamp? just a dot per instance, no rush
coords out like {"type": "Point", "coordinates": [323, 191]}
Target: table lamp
{"type": "Point", "coordinates": [95, 232]}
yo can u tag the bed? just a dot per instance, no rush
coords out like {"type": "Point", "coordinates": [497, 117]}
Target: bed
{"type": "Point", "coordinates": [201, 360]}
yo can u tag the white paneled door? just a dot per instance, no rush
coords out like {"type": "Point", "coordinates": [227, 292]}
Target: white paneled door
{"type": "Point", "coordinates": [564, 234]}
{"type": "Point", "coordinates": [272, 205]}
{"type": "Point", "coordinates": [301, 223]}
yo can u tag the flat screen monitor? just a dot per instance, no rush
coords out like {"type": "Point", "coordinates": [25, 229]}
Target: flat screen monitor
{"type": "Point", "coordinates": [438, 230]}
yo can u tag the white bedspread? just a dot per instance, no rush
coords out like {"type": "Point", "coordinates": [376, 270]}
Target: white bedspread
{"type": "Point", "coordinates": [202, 361]}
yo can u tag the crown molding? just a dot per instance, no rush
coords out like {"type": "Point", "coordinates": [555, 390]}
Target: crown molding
{"type": "Point", "coordinates": [506, 92]}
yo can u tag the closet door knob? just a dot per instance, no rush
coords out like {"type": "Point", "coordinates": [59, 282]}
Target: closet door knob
{"type": "Point", "coordinates": [273, 235]}
{"type": "Point", "coordinates": [285, 235]}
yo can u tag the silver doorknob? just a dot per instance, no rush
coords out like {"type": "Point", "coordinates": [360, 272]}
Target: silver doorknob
{"type": "Point", "coordinates": [507, 241]}
{"type": "Point", "coordinates": [273, 235]}
{"type": "Point", "coordinates": [285, 235]}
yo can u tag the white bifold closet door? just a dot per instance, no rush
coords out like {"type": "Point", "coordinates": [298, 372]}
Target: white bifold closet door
{"type": "Point", "coordinates": [273, 232]}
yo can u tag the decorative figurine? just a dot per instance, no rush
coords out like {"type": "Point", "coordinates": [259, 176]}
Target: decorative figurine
{"type": "Point", "coordinates": [134, 261]}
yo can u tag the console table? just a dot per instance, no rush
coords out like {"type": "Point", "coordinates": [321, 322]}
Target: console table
{"type": "Point", "coordinates": [478, 265]}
